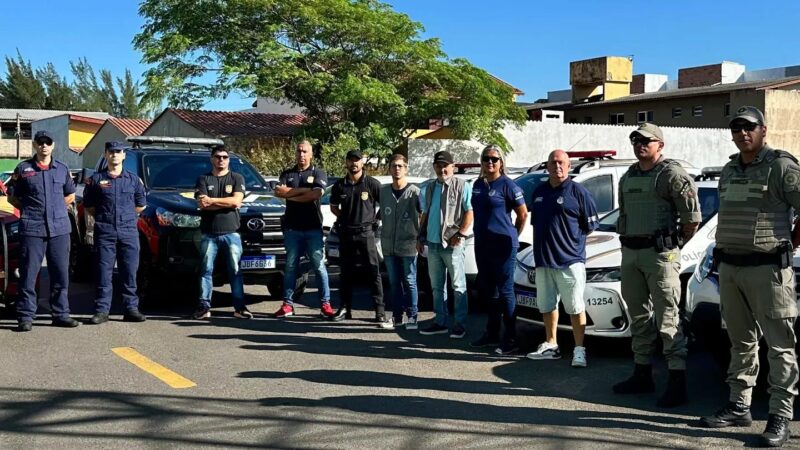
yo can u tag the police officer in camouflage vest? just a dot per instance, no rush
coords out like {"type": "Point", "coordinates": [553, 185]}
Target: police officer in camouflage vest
{"type": "Point", "coordinates": [658, 212]}
{"type": "Point", "coordinates": [758, 189]}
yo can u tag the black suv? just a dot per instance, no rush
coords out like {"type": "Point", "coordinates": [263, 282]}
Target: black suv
{"type": "Point", "coordinates": [169, 230]}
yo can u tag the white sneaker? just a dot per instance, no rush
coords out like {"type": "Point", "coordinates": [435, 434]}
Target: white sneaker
{"type": "Point", "coordinates": [386, 324]}
{"type": "Point", "coordinates": [411, 323]}
{"type": "Point", "coordinates": [579, 357]}
{"type": "Point", "coordinates": [545, 351]}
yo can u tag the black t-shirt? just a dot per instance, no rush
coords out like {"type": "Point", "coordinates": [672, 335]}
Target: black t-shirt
{"type": "Point", "coordinates": [219, 221]}
{"type": "Point", "coordinates": [399, 192]}
{"type": "Point", "coordinates": [357, 202]}
{"type": "Point", "coordinates": [303, 216]}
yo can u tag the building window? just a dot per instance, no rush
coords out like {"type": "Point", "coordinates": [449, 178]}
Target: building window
{"type": "Point", "coordinates": [616, 119]}
{"type": "Point", "coordinates": [9, 130]}
{"type": "Point", "coordinates": [676, 113]}
{"type": "Point", "coordinates": [697, 111]}
{"type": "Point", "coordinates": [727, 109]}
{"type": "Point", "coordinates": [644, 116]}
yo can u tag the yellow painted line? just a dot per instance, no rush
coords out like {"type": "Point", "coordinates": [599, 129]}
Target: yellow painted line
{"type": "Point", "coordinates": [155, 369]}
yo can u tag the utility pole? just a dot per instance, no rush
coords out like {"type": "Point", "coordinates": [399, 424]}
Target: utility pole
{"type": "Point", "coordinates": [19, 135]}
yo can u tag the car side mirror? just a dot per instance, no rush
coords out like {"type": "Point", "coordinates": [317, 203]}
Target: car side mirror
{"type": "Point", "coordinates": [272, 185]}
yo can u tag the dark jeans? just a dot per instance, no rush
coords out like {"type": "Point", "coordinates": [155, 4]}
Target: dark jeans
{"type": "Point", "coordinates": [496, 285]}
{"type": "Point", "coordinates": [402, 272]}
{"type": "Point", "coordinates": [360, 248]}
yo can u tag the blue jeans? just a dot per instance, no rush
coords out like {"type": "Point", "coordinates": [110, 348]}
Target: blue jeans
{"type": "Point", "coordinates": [402, 284]}
{"type": "Point", "coordinates": [209, 246]}
{"type": "Point", "coordinates": [309, 243]}
{"type": "Point", "coordinates": [442, 261]}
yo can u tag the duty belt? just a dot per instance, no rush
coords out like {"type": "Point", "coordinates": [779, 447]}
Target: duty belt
{"type": "Point", "coordinates": [782, 258]}
{"type": "Point", "coordinates": [662, 240]}
{"type": "Point", "coordinates": [356, 229]}
{"type": "Point", "coordinates": [637, 242]}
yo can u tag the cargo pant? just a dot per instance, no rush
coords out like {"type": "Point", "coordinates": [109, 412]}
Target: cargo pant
{"type": "Point", "coordinates": [756, 301]}
{"type": "Point", "coordinates": [652, 290]}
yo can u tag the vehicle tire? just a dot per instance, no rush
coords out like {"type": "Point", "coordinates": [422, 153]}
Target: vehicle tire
{"type": "Point", "coordinates": [275, 286]}
{"type": "Point", "coordinates": [148, 280]}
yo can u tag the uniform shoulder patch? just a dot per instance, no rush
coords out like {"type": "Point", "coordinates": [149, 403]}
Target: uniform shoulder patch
{"type": "Point", "coordinates": [791, 179]}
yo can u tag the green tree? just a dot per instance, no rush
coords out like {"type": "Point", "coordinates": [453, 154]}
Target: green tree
{"type": "Point", "coordinates": [360, 70]}
{"type": "Point", "coordinates": [59, 90]}
{"type": "Point", "coordinates": [21, 88]}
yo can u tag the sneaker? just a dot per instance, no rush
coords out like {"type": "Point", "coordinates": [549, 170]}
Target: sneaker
{"type": "Point", "coordinates": [397, 321]}
{"type": "Point", "coordinates": [485, 341]}
{"type": "Point", "coordinates": [385, 324]}
{"type": "Point", "coordinates": [243, 313]}
{"type": "Point", "coordinates": [545, 351]}
{"type": "Point", "coordinates": [285, 310]}
{"type": "Point", "coordinates": [458, 332]}
{"type": "Point", "coordinates": [342, 314]}
{"type": "Point", "coordinates": [201, 313]}
{"type": "Point", "coordinates": [326, 311]}
{"type": "Point", "coordinates": [579, 357]}
{"type": "Point", "coordinates": [434, 329]}
{"type": "Point", "coordinates": [507, 348]}
{"type": "Point", "coordinates": [411, 323]}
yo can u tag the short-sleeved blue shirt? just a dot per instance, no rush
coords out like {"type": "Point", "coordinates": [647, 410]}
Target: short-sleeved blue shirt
{"type": "Point", "coordinates": [562, 217]}
{"type": "Point", "coordinates": [41, 190]}
{"type": "Point", "coordinates": [492, 203]}
{"type": "Point", "coordinates": [115, 199]}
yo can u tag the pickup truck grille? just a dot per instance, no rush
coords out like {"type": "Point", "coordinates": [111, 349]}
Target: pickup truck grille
{"type": "Point", "coordinates": [262, 234]}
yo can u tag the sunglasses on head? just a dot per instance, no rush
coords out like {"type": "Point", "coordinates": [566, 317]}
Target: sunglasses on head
{"type": "Point", "coordinates": [641, 140]}
{"type": "Point", "coordinates": [44, 141]}
{"type": "Point", "coordinates": [746, 126]}
{"type": "Point", "coordinates": [493, 159]}
{"type": "Point", "coordinates": [220, 156]}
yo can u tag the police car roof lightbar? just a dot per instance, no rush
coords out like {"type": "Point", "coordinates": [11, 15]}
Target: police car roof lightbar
{"type": "Point", "coordinates": [591, 153]}
{"type": "Point", "coordinates": [206, 142]}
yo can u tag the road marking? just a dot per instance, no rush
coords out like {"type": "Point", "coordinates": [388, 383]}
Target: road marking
{"type": "Point", "coordinates": [155, 369]}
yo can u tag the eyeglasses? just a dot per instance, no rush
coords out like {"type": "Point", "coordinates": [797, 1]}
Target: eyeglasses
{"type": "Point", "coordinates": [45, 141]}
{"type": "Point", "coordinates": [642, 141]}
{"type": "Point", "coordinates": [222, 157]}
{"type": "Point", "coordinates": [748, 126]}
{"type": "Point", "coordinates": [493, 159]}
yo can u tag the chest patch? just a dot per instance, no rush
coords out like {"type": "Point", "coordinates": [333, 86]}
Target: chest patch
{"type": "Point", "coordinates": [387, 210]}
{"type": "Point", "coordinates": [560, 200]}
{"type": "Point", "coordinates": [228, 188]}
{"type": "Point", "coordinates": [538, 200]}
{"type": "Point", "coordinates": [310, 179]}
{"type": "Point", "coordinates": [364, 195]}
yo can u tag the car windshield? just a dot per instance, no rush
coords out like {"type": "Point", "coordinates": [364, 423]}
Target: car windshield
{"type": "Point", "coordinates": [709, 205]}
{"type": "Point", "coordinates": [181, 170]}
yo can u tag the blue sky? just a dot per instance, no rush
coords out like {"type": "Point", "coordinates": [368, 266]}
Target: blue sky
{"type": "Point", "coordinates": [528, 43]}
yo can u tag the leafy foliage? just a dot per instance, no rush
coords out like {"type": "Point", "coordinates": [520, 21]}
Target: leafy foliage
{"type": "Point", "coordinates": [360, 70]}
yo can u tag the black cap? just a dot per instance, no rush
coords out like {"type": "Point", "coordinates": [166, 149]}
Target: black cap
{"type": "Point", "coordinates": [41, 134]}
{"type": "Point", "coordinates": [354, 154]}
{"type": "Point", "coordinates": [115, 146]}
{"type": "Point", "coordinates": [443, 156]}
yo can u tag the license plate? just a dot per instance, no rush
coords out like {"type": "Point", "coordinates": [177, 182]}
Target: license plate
{"type": "Point", "coordinates": [257, 262]}
{"type": "Point", "coordinates": [333, 252]}
{"type": "Point", "coordinates": [526, 299]}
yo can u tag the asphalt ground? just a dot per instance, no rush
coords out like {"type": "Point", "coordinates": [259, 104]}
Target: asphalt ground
{"type": "Point", "coordinates": [303, 382]}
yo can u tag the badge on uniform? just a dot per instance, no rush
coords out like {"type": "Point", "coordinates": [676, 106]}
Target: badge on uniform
{"type": "Point", "coordinates": [364, 195]}
{"type": "Point", "coordinates": [104, 183]}
{"type": "Point", "coordinates": [560, 200]}
{"type": "Point", "coordinates": [387, 211]}
{"type": "Point", "coordinates": [228, 188]}
{"type": "Point", "coordinates": [310, 179]}
{"type": "Point", "coordinates": [492, 193]}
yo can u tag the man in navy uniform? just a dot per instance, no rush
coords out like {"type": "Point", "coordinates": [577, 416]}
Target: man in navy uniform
{"type": "Point", "coordinates": [42, 190]}
{"type": "Point", "coordinates": [115, 197]}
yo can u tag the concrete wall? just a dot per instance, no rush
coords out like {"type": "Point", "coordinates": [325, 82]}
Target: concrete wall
{"type": "Point", "coordinates": [8, 148]}
{"type": "Point", "coordinates": [782, 113]}
{"type": "Point", "coordinates": [535, 140]}
{"type": "Point", "coordinates": [94, 151]}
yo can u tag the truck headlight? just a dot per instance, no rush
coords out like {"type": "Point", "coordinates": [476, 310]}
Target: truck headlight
{"type": "Point", "coordinates": [178, 220]}
{"type": "Point", "coordinates": [603, 275]}
{"type": "Point", "coordinates": [704, 268]}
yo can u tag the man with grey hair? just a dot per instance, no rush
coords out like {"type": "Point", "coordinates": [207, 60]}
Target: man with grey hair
{"type": "Point", "coordinates": [446, 223]}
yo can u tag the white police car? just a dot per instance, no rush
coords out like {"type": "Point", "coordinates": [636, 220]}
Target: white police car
{"type": "Point", "coordinates": [606, 311]}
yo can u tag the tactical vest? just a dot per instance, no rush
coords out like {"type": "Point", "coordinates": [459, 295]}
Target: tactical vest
{"type": "Point", "coordinates": [751, 218]}
{"type": "Point", "coordinates": [400, 221]}
{"type": "Point", "coordinates": [645, 211]}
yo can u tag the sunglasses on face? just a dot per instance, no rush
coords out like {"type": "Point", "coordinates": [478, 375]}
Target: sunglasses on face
{"type": "Point", "coordinates": [739, 127]}
{"type": "Point", "coordinates": [493, 159]}
{"type": "Point", "coordinates": [222, 157]}
{"type": "Point", "coordinates": [41, 142]}
{"type": "Point", "coordinates": [641, 141]}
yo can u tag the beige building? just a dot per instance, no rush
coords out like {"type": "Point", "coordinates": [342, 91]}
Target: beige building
{"type": "Point", "coordinates": [701, 97]}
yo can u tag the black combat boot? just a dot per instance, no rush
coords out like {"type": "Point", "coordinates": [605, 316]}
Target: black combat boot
{"type": "Point", "coordinates": [640, 382]}
{"type": "Point", "coordinates": [675, 395]}
{"type": "Point", "coordinates": [777, 431]}
{"type": "Point", "coordinates": [731, 415]}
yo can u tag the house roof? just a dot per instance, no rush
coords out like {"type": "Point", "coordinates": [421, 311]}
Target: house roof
{"type": "Point", "coordinates": [130, 127]}
{"type": "Point", "coordinates": [30, 115]}
{"type": "Point", "coordinates": [678, 93]}
{"type": "Point", "coordinates": [222, 123]}
{"type": "Point", "coordinates": [516, 90]}
{"type": "Point", "coordinates": [86, 119]}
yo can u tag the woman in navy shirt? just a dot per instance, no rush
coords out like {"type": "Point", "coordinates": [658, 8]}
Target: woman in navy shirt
{"type": "Point", "coordinates": [494, 195]}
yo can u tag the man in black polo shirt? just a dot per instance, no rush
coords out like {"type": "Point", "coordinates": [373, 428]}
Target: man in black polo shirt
{"type": "Point", "coordinates": [302, 186]}
{"type": "Point", "coordinates": [354, 200]}
{"type": "Point", "coordinates": [219, 194]}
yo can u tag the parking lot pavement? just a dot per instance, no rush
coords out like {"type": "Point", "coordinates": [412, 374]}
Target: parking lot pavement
{"type": "Point", "coordinates": [307, 383]}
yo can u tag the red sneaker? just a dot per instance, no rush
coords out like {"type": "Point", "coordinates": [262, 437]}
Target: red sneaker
{"type": "Point", "coordinates": [285, 311]}
{"type": "Point", "coordinates": [327, 311]}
